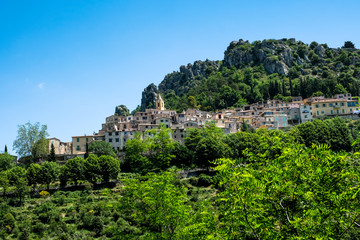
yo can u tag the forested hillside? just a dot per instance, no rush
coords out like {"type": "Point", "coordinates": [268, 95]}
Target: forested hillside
{"type": "Point", "coordinates": [261, 70]}
{"type": "Point", "coordinates": [264, 184]}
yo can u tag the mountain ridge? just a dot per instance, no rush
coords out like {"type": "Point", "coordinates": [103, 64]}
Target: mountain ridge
{"type": "Point", "coordinates": [261, 70]}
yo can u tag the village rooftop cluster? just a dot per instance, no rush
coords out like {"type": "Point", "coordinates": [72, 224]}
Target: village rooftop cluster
{"type": "Point", "coordinates": [271, 114]}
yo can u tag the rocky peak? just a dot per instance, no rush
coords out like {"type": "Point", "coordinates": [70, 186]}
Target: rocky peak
{"type": "Point", "coordinates": [276, 55]}
{"type": "Point", "coordinates": [188, 76]}
{"type": "Point", "coordinates": [122, 110]}
{"type": "Point", "coordinates": [149, 96]}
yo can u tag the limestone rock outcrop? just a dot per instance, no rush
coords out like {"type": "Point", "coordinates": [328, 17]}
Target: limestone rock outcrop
{"type": "Point", "coordinates": [122, 110]}
{"type": "Point", "coordinates": [188, 76]}
{"type": "Point", "coordinates": [149, 96]}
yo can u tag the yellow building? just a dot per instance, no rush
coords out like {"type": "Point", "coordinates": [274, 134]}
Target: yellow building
{"type": "Point", "coordinates": [79, 144]}
{"type": "Point", "coordinates": [333, 107]}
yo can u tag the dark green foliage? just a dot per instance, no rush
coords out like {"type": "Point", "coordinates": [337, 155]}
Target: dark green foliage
{"type": "Point", "coordinates": [92, 169]}
{"type": "Point", "coordinates": [73, 170]}
{"type": "Point", "coordinates": [349, 44]}
{"type": "Point", "coordinates": [86, 155]}
{"type": "Point", "coordinates": [33, 175]}
{"type": "Point", "coordinates": [100, 148]}
{"type": "Point", "coordinates": [49, 173]}
{"type": "Point", "coordinates": [333, 132]}
{"type": "Point", "coordinates": [109, 168]}
{"type": "Point", "coordinates": [52, 156]}
{"type": "Point", "coordinates": [5, 151]}
{"type": "Point", "coordinates": [6, 161]}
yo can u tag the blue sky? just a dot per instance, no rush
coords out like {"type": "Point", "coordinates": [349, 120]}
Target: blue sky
{"type": "Point", "coordinates": [67, 64]}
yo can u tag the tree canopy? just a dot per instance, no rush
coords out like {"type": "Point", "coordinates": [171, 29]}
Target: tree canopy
{"type": "Point", "coordinates": [100, 148]}
{"type": "Point", "coordinates": [31, 139]}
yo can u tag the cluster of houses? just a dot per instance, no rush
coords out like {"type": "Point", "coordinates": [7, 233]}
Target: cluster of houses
{"type": "Point", "coordinates": [272, 114]}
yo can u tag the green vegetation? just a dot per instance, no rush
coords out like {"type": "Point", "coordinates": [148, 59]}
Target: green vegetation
{"type": "Point", "coordinates": [251, 185]}
{"type": "Point", "coordinates": [311, 69]}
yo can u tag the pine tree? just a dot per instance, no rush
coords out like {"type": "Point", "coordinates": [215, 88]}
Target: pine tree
{"type": "Point", "coordinates": [52, 156]}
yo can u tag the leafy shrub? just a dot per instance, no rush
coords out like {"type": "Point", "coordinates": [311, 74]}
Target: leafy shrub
{"type": "Point", "coordinates": [204, 180]}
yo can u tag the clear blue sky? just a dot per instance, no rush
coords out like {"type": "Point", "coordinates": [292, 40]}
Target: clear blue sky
{"type": "Point", "coordinates": [67, 64]}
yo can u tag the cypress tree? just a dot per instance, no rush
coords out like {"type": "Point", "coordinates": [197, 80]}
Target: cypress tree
{"type": "Point", "coordinates": [87, 151]}
{"type": "Point", "coordinates": [52, 156]}
{"type": "Point", "coordinates": [5, 149]}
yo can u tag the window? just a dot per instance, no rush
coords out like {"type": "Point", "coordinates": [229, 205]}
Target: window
{"type": "Point", "coordinates": [330, 104]}
{"type": "Point", "coordinates": [110, 139]}
{"type": "Point", "coordinates": [87, 139]}
{"type": "Point", "coordinates": [343, 111]}
{"type": "Point", "coordinates": [117, 139]}
{"type": "Point", "coordinates": [110, 134]}
{"type": "Point", "coordinates": [77, 140]}
{"type": "Point", "coordinates": [317, 112]}
{"type": "Point", "coordinates": [342, 104]}
{"type": "Point", "coordinates": [332, 112]}
{"type": "Point", "coordinates": [306, 116]}
{"type": "Point", "coordinates": [117, 133]}
{"type": "Point", "coordinates": [78, 148]}
{"type": "Point", "coordinates": [324, 104]}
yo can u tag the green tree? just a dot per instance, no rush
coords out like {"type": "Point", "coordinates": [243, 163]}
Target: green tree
{"type": "Point", "coordinates": [74, 170]}
{"type": "Point", "coordinates": [6, 161]}
{"type": "Point", "coordinates": [49, 173]}
{"type": "Point", "coordinates": [21, 189]}
{"type": "Point", "coordinates": [349, 44]}
{"type": "Point", "coordinates": [100, 148]}
{"type": "Point", "coordinates": [5, 151]}
{"type": "Point", "coordinates": [33, 175]}
{"type": "Point", "coordinates": [4, 182]}
{"type": "Point", "coordinates": [318, 94]}
{"type": "Point", "coordinates": [300, 193]}
{"type": "Point", "coordinates": [92, 169]}
{"type": "Point", "coordinates": [40, 149]}
{"type": "Point", "coordinates": [161, 146]}
{"type": "Point", "coordinates": [28, 135]}
{"type": "Point", "coordinates": [15, 173]}
{"type": "Point", "coordinates": [339, 89]}
{"type": "Point", "coordinates": [157, 203]}
{"type": "Point", "coordinates": [52, 156]}
{"type": "Point", "coordinates": [86, 155]}
{"type": "Point", "coordinates": [136, 150]}
{"type": "Point", "coordinates": [109, 167]}
{"type": "Point", "coordinates": [192, 138]}
{"type": "Point", "coordinates": [210, 148]}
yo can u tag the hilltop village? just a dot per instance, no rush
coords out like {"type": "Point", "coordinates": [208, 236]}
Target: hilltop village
{"type": "Point", "coordinates": [272, 114]}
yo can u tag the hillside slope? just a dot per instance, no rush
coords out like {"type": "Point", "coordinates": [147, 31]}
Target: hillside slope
{"type": "Point", "coordinates": [261, 70]}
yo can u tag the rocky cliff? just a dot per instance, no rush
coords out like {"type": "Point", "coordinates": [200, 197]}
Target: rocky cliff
{"type": "Point", "coordinates": [148, 97]}
{"type": "Point", "coordinates": [260, 70]}
{"type": "Point", "coordinates": [188, 77]}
